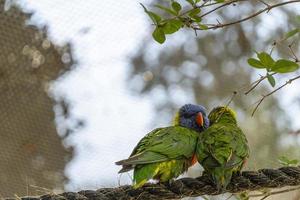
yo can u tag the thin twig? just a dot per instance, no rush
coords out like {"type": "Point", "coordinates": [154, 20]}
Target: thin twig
{"type": "Point", "coordinates": [264, 3]}
{"type": "Point", "coordinates": [292, 51]}
{"type": "Point", "coordinates": [265, 197]}
{"type": "Point", "coordinates": [219, 7]}
{"type": "Point", "coordinates": [274, 44]}
{"type": "Point", "coordinates": [215, 3]}
{"type": "Point", "coordinates": [269, 94]}
{"type": "Point", "coordinates": [234, 93]}
{"type": "Point", "coordinates": [197, 7]}
{"type": "Point", "coordinates": [257, 82]}
{"type": "Point", "coordinates": [216, 26]}
{"type": "Point", "coordinates": [202, 6]}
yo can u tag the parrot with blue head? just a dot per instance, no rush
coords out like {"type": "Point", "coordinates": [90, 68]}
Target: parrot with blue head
{"type": "Point", "coordinates": [165, 153]}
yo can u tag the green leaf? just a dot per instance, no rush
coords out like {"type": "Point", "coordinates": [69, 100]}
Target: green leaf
{"type": "Point", "coordinates": [255, 63]}
{"type": "Point", "coordinates": [176, 6]}
{"type": "Point", "coordinates": [154, 17]}
{"type": "Point", "coordinates": [294, 162]}
{"type": "Point", "coordinates": [202, 26]}
{"type": "Point", "coordinates": [168, 10]}
{"type": "Point", "coordinates": [266, 59]}
{"type": "Point", "coordinates": [288, 162]}
{"type": "Point", "coordinates": [159, 35]}
{"type": "Point", "coordinates": [283, 160]}
{"type": "Point", "coordinates": [194, 12]}
{"type": "Point", "coordinates": [284, 66]}
{"type": "Point", "coordinates": [291, 33]}
{"type": "Point", "coordinates": [172, 26]}
{"type": "Point", "coordinates": [271, 80]}
{"type": "Point", "coordinates": [197, 18]}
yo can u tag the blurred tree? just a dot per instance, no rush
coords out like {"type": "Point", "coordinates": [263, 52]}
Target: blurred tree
{"type": "Point", "coordinates": [31, 150]}
{"type": "Point", "coordinates": [207, 69]}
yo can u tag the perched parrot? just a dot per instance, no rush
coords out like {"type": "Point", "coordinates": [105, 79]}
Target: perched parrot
{"type": "Point", "coordinates": [222, 149]}
{"type": "Point", "coordinates": [167, 152]}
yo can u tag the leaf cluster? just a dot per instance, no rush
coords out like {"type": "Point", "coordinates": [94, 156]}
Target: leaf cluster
{"type": "Point", "coordinates": [265, 61]}
{"type": "Point", "coordinates": [177, 20]}
{"type": "Point", "coordinates": [192, 17]}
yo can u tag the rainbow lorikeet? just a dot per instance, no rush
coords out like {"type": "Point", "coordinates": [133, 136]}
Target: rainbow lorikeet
{"type": "Point", "coordinates": [222, 148]}
{"type": "Point", "coordinates": [167, 152]}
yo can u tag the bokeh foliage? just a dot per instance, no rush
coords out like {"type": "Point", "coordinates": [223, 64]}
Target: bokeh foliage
{"type": "Point", "coordinates": [207, 68]}
{"type": "Point", "coordinates": [32, 155]}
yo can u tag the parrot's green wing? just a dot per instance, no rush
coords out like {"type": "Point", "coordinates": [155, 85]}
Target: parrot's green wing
{"type": "Point", "coordinates": [222, 149]}
{"type": "Point", "coordinates": [162, 144]}
{"type": "Point", "coordinates": [164, 153]}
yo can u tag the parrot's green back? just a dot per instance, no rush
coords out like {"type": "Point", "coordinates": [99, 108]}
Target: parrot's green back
{"type": "Point", "coordinates": [222, 149]}
{"type": "Point", "coordinates": [162, 154]}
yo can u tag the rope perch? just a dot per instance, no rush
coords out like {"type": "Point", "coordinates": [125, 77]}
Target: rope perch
{"type": "Point", "coordinates": [187, 187]}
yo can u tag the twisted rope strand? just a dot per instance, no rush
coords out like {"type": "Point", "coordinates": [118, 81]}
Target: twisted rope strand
{"type": "Point", "coordinates": [187, 187]}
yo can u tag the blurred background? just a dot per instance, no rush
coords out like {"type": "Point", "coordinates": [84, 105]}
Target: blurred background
{"type": "Point", "coordinates": [82, 81]}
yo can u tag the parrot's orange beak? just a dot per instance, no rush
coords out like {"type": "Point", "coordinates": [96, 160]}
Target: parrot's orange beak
{"type": "Point", "coordinates": [199, 119]}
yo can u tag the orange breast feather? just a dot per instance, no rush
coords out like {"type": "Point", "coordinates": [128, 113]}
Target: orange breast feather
{"type": "Point", "coordinates": [194, 160]}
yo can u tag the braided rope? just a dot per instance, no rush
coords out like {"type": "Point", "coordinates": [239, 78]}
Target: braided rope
{"type": "Point", "coordinates": [187, 187]}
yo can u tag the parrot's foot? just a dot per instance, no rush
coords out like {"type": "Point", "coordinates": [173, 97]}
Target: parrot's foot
{"type": "Point", "coordinates": [237, 173]}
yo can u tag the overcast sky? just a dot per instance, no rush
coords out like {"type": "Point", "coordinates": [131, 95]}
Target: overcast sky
{"type": "Point", "coordinates": [102, 33]}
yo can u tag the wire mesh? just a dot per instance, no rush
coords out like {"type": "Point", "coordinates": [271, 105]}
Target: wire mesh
{"type": "Point", "coordinates": [32, 153]}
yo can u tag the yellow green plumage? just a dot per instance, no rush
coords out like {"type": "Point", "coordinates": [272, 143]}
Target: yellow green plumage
{"type": "Point", "coordinates": [162, 154]}
{"type": "Point", "coordinates": [222, 149]}
{"type": "Point", "coordinates": [167, 152]}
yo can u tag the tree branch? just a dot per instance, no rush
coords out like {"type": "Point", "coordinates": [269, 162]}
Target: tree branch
{"type": "Point", "coordinates": [268, 8]}
{"type": "Point", "coordinates": [187, 187]}
{"type": "Point", "coordinates": [269, 94]}
{"type": "Point", "coordinates": [257, 82]}
{"type": "Point", "coordinates": [219, 7]}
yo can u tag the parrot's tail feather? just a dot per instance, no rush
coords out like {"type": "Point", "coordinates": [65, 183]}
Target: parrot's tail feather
{"type": "Point", "coordinates": [143, 158]}
{"type": "Point", "coordinates": [126, 168]}
{"type": "Point", "coordinates": [121, 162]}
{"type": "Point", "coordinates": [222, 177]}
{"type": "Point", "coordinates": [128, 161]}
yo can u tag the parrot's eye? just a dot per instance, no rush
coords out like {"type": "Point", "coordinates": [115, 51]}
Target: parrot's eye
{"type": "Point", "coordinates": [188, 115]}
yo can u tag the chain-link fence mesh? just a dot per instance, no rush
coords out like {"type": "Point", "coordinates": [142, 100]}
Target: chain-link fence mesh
{"type": "Point", "coordinates": [33, 157]}
{"type": "Point", "coordinates": [32, 153]}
